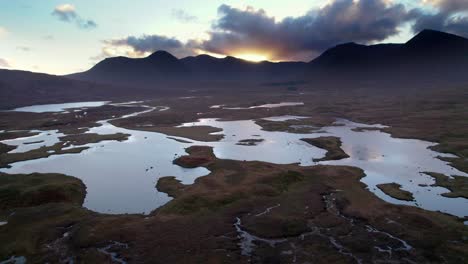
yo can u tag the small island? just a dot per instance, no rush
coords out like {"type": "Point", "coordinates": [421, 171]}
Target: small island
{"type": "Point", "coordinates": [458, 185]}
{"type": "Point", "coordinates": [250, 142]}
{"type": "Point", "coordinates": [331, 144]}
{"type": "Point", "coordinates": [394, 190]}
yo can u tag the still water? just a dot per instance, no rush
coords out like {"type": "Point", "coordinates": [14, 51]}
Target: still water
{"type": "Point", "coordinates": [121, 176]}
{"type": "Point", "coordinates": [58, 107]}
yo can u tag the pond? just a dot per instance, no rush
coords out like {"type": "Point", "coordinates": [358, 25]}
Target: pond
{"type": "Point", "coordinates": [59, 107]}
{"type": "Point", "coordinates": [121, 176]}
{"type": "Point", "coordinates": [275, 105]}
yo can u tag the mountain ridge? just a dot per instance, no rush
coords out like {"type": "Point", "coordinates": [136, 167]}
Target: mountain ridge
{"type": "Point", "coordinates": [429, 59]}
{"type": "Point", "coordinates": [425, 49]}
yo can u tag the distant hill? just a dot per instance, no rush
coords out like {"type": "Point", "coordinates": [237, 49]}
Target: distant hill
{"type": "Point", "coordinates": [20, 88]}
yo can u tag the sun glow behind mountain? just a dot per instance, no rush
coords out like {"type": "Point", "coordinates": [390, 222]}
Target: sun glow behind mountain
{"type": "Point", "coordinates": [251, 57]}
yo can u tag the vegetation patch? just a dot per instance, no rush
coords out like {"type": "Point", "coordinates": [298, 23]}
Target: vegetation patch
{"type": "Point", "coordinates": [458, 185]}
{"type": "Point", "coordinates": [4, 148]}
{"type": "Point", "coordinates": [394, 190]}
{"type": "Point", "coordinates": [199, 156]}
{"type": "Point", "coordinates": [460, 164]}
{"type": "Point", "coordinates": [199, 133]}
{"type": "Point", "coordinates": [277, 226]}
{"type": "Point", "coordinates": [191, 162]}
{"type": "Point", "coordinates": [364, 129]}
{"type": "Point", "coordinates": [24, 190]}
{"type": "Point", "coordinates": [456, 144]}
{"type": "Point", "coordinates": [33, 142]}
{"type": "Point", "coordinates": [250, 142]}
{"type": "Point", "coordinates": [170, 185]}
{"type": "Point", "coordinates": [86, 138]}
{"type": "Point", "coordinates": [284, 180]}
{"type": "Point", "coordinates": [31, 229]}
{"type": "Point", "coordinates": [193, 203]}
{"type": "Point", "coordinates": [179, 140]}
{"type": "Point", "coordinates": [16, 134]}
{"type": "Point", "coordinates": [300, 126]}
{"type": "Point", "coordinates": [331, 144]}
{"type": "Point", "coordinates": [42, 152]}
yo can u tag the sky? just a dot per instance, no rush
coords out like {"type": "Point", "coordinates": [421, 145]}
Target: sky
{"type": "Point", "coordinates": [62, 37]}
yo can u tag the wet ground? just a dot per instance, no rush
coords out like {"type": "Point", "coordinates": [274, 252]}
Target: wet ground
{"type": "Point", "coordinates": [242, 210]}
{"type": "Point", "coordinates": [120, 176]}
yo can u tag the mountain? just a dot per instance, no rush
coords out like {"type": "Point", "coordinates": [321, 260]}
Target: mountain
{"type": "Point", "coordinates": [163, 67]}
{"type": "Point", "coordinates": [231, 68]}
{"type": "Point", "coordinates": [431, 40]}
{"type": "Point", "coordinates": [430, 56]}
{"type": "Point", "coordinates": [159, 66]}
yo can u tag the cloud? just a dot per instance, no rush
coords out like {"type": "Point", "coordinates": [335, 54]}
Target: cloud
{"type": "Point", "coordinates": [448, 5]}
{"type": "Point", "coordinates": [183, 16]}
{"type": "Point", "coordinates": [67, 13]}
{"type": "Point", "coordinates": [133, 46]}
{"type": "Point", "coordinates": [4, 63]}
{"type": "Point", "coordinates": [243, 31]}
{"type": "Point", "coordinates": [147, 43]}
{"type": "Point", "coordinates": [23, 48]}
{"type": "Point", "coordinates": [443, 22]}
{"type": "Point", "coordinates": [252, 30]}
{"type": "Point", "coordinates": [451, 16]}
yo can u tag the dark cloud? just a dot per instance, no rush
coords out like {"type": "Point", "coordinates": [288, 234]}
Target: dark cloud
{"type": "Point", "coordinates": [253, 30]}
{"type": "Point", "coordinates": [250, 30]}
{"type": "Point", "coordinates": [67, 13]}
{"type": "Point", "coordinates": [183, 16]}
{"type": "Point", "coordinates": [87, 24]}
{"type": "Point", "coordinates": [451, 16]}
{"type": "Point", "coordinates": [148, 43]}
{"type": "Point", "coordinates": [133, 46]}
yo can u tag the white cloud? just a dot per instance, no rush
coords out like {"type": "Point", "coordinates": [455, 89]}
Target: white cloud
{"type": "Point", "coordinates": [67, 13]}
{"type": "Point", "coordinates": [65, 8]}
{"type": "Point", "coordinates": [4, 63]}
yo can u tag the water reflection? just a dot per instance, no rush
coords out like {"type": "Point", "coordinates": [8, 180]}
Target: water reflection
{"type": "Point", "coordinates": [24, 144]}
{"type": "Point", "coordinates": [121, 176]}
{"type": "Point", "coordinates": [383, 158]}
{"type": "Point", "coordinates": [259, 106]}
{"type": "Point", "coordinates": [58, 107]}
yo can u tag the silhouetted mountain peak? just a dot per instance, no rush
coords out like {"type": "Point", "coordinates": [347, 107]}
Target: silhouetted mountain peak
{"type": "Point", "coordinates": [348, 44]}
{"type": "Point", "coordinates": [431, 38]}
{"type": "Point", "coordinates": [162, 55]}
{"type": "Point", "coordinates": [206, 56]}
{"type": "Point", "coordinates": [231, 58]}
